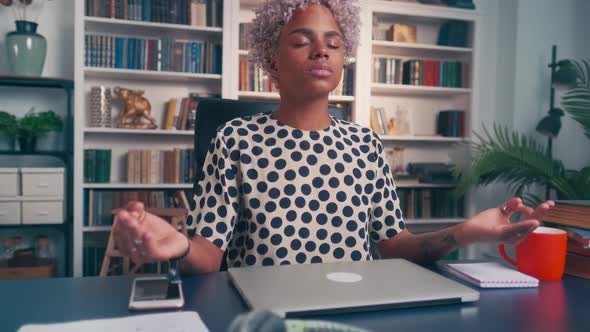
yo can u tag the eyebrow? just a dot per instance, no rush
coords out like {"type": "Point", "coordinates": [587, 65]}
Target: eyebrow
{"type": "Point", "coordinates": [306, 31]}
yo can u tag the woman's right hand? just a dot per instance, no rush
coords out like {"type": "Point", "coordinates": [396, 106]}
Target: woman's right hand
{"type": "Point", "coordinates": [146, 237]}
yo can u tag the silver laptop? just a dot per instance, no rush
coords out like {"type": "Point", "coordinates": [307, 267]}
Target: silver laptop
{"type": "Point", "coordinates": [317, 289]}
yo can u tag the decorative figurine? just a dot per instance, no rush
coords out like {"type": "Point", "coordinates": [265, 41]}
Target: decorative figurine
{"type": "Point", "coordinates": [137, 107]}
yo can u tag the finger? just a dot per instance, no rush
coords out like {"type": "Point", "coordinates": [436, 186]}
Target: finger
{"type": "Point", "coordinates": [513, 205]}
{"type": "Point", "coordinates": [130, 231]}
{"type": "Point", "coordinates": [518, 230]}
{"type": "Point", "coordinates": [513, 202]}
{"type": "Point", "coordinates": [121, 234]}
{"type": "Point", "coordinates": [135, 206]}
{"type": "Point", "coordinates": [136, 209]}
{"type": "Point", "coordinates": [542, 210]}
{"type": "Point", "coordinates": [119, 238]}
{"type": "Point", "coordinates": [137, 251]}
{"type": "Point", "coordinates": [150, 247]}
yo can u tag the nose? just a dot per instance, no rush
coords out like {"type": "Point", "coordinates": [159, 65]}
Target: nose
{"type": "Point", "coordinates": [319, 51]}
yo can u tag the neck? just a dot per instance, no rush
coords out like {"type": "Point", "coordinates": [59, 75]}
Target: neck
{"type": "Point", "coordinates": [305, 114]}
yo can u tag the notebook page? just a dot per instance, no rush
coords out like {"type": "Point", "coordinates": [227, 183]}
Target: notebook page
{"type": "Point", "coordinates": [492, 275]}
{"type": "Point", "coordinates": [184, 321]}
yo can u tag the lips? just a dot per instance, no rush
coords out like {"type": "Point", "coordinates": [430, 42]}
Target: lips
{"type": "Point", "coordinates": [320, 70]}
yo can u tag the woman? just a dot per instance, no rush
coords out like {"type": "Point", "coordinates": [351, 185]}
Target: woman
{"type": "Point", "coordinates": [298, 186]}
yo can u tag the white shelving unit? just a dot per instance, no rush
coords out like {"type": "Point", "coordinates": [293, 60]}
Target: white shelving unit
{"type": "Point", "coordinates": [423, 102]}
{"type": "Point", "coordinates": [159, 87]}
{"type": "Point", "coordinates": [120, 131]}
{"type": "Point", "coordinates": [137, 186]}
{"type": "Point", "coordinates": [421, 146]}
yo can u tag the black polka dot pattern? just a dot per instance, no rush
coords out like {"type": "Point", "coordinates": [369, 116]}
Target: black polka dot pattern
{"type": "Point", "coordinates": [271, 194]}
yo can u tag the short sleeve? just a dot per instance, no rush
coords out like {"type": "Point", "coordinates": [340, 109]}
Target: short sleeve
{"type": "Point", "coordinates": [216, 196]}
{"type": "Point", "coordinates": [386, 215]}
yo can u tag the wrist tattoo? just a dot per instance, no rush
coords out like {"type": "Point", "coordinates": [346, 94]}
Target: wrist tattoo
{"type": "Point", "coordinates": [434, 246]}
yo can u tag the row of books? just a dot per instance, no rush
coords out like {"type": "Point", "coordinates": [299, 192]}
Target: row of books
{"type": "Point", "coordinates": [420, 72]}
{"type": "Point", "coordinates": [100, 204]}
{"type": "Point", "coordinates": [451, 123]}
{"type": "Point", "coordinates": [181, 113]}
{"type": "Point", "coordinates": [430, 203]}
{"type": "Point", "coordinates": [346, 85]}
{"type": "Point", "coordinates": [254, 79]}
{"type": "Point", "coordinates": [97, 165]}
{"type": "Point", "coordinates": [93, 256]}
{"type": "Point", "coordinates": [164, 54]}
{"type": "Point", "coordinates": [572, 216]}
{"type": "Point", "coordinates": [245, 41]}
{"type": "Point", "coordinates": [153, 167]}
{"type": "Point", "coordinates": [187, 12]}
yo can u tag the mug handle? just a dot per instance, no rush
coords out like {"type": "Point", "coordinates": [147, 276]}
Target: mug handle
{"type": "Point", "coordinates": [504, 255]}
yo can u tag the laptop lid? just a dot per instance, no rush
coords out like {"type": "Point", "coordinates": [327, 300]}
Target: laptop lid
{"type": "Point", "coordinates": [318, 289]}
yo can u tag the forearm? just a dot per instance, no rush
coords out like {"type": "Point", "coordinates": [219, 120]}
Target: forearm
{"type": "Point", "coordinates": [203, 257]}
{"type": "Point", "coordinates": [422, 248]}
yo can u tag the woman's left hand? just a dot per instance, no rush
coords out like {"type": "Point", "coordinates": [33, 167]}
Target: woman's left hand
{"type": "Point", "coordinates": [494, 225]}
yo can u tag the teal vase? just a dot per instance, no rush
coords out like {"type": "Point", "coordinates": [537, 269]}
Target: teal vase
{"type": "Point", "coordinates": [26, 49]}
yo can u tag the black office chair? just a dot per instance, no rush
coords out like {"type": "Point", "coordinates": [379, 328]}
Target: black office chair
{"type": "Point", "coordinates": [212, 113]}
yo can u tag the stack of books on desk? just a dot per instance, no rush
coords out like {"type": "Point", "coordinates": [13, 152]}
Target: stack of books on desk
{"type": "Point", "coordinates": [572, 216]}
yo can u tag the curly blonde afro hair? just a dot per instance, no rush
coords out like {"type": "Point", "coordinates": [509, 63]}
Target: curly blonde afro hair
{"type": "Point", "coordinates": [273, 15]}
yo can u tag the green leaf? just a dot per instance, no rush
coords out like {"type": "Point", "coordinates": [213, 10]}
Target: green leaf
{"type": "Point", "coordinates": [576, 101]}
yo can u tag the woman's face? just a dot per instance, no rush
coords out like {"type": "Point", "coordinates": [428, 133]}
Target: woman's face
{"type": "Point", "coordinates": [310, 57]}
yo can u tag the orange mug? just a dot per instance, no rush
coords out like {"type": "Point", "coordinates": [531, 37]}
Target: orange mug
{"type": "Point", "coordinates": [541, 254]}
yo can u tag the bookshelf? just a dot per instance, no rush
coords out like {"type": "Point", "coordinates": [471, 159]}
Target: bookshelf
{"type": "Point", "coordinates": [122, 53]}
{"type": "Point", "coordinates": [422, 102]}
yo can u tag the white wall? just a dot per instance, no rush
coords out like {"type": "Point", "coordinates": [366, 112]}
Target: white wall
{"type": "Point", "coordinates": [517, 38]}
{"type": "Point", "coordinates": [565, 24]}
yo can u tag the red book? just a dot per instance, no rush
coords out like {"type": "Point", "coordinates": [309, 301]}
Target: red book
{"type": "Point", "coordinates": [436, 72]}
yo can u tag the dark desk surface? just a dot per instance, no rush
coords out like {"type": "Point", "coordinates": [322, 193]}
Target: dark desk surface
{"type": "Point", "coordinates": [554, 306]}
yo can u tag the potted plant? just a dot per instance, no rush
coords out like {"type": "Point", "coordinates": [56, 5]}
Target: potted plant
{"type": "Point", "coordinates": [8, 127]}
{"type": "Point", "coordinates": [526, 164]}
{"type": "Point", "coordinates": [25, 48]}
{"type": "Point", "coordinates": [34, 125]}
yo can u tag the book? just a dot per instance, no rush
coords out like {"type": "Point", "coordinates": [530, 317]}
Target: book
{"type": "Point", "coordinates": [570, 213]}
{"type": "Point", "coordinates": [491, 275]}
{"type": "Point", "coordinates": [579, 235]}
{"type": "Point", "coordinates": [577, 265]}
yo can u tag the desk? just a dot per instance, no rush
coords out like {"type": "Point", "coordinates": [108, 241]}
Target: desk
{"type": "Point", "coordinates": [554, 306]}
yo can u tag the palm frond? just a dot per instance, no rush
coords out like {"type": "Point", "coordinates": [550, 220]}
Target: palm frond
{"type": "Point", "coordinates": [576, 101]}
{"type": "Point", "coordinates": [510, 158]}
{"type": "Point", "coordinates": [580, 181]}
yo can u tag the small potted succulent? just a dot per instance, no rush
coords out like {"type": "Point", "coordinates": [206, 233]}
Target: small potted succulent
{"type": "Point", "coordinates": [8, 128]}
{"type": "Point", "coordinates": [34, 125]}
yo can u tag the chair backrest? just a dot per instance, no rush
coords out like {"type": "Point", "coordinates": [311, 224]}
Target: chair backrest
{"type": "Point", "coordinates": [212, 113]}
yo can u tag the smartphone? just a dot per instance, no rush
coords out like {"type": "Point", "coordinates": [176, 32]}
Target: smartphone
{"type": "Point", "coordinates": [155, 293]}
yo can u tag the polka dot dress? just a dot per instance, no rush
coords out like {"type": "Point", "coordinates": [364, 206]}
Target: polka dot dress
{"type": "Point", "coordinates": [272, 194]}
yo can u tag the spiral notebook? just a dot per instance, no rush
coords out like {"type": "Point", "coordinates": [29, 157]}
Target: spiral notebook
{"type": "Point", "coordinates": [491, 275]}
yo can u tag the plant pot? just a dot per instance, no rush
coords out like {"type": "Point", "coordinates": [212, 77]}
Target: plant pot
{"type": "Point", "coordinates": [12, 144]}
{"type": "Point", "coordinates": [27, 144]}
{"type": "Point", "coordinates": [26, 49]}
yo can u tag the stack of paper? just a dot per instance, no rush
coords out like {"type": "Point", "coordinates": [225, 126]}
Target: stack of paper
{"type": "Point", "coordinates": [167, 322]}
